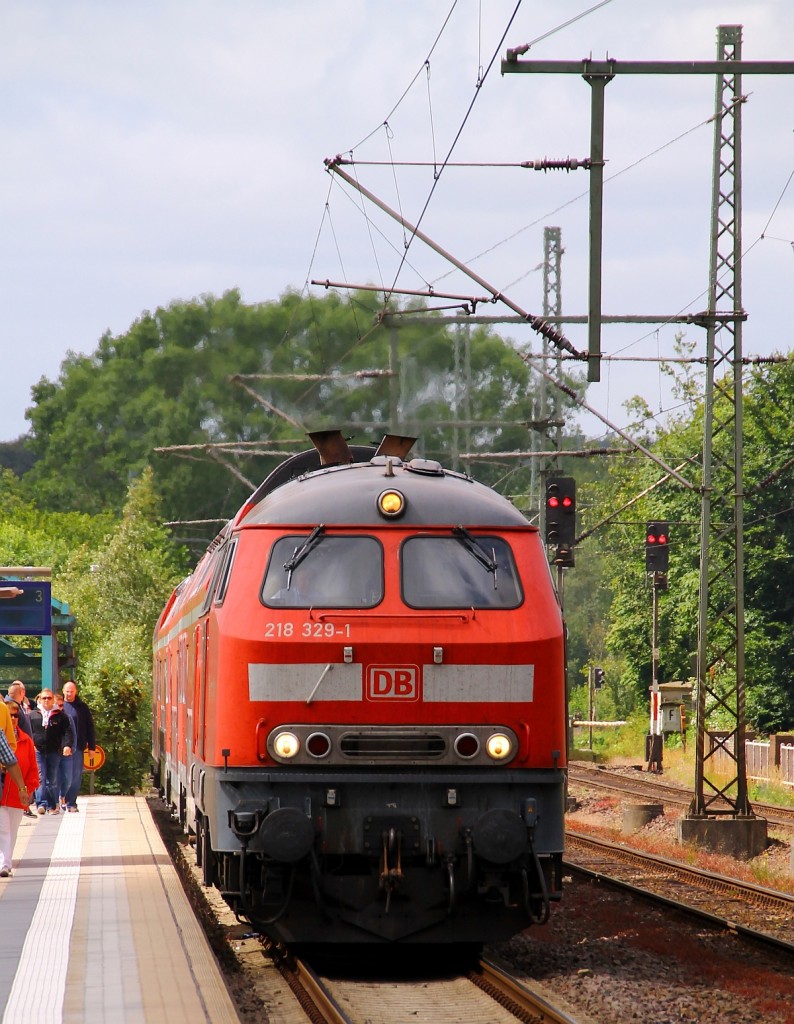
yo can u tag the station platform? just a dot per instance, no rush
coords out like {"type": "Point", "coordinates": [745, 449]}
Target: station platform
{"type": "Point", "coordinates": [95, 925]}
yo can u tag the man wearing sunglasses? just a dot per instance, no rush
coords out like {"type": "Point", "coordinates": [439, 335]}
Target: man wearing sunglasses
{"type": "Point", "coordinates": [53, 736]}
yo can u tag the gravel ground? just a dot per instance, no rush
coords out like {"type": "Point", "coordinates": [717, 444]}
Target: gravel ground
{"type": "Point", "coordinates": [618, 960]}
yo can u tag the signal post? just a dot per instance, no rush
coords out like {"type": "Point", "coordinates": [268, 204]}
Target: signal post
{"type": "Point", "coordinates": [559, 523]}
{"type": "Point", "coordinates": [657, 557]}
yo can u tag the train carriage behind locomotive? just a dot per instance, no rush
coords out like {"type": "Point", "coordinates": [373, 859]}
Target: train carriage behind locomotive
{"type": "Point", "coordinates": [359, 705]}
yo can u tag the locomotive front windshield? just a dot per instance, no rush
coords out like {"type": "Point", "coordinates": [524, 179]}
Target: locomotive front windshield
{"type": "Point", "coordinates": [462, 571]}
{"type": "Point", "coordinates": [314, 570]}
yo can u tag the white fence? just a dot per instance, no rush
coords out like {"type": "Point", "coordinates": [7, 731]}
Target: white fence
{"type": "Point", "coordinates": [757, 759]}
{"type": "Point", "coordinates": [787, 764]}
{"type": "Point", "coordinates": [763, 760]}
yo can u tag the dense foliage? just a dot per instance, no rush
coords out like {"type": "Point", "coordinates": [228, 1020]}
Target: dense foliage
{"type": "Point", "coordinates": [115, 573]}
{"type": "Point", "coordinates": [16, 456]}
{"type": "Point", "coordinates": [625, 643]}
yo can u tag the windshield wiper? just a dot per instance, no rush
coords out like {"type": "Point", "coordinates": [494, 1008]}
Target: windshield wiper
{"type": "Point", "coordinates": [476, 549]}
{"type": "Point", "coordinates": [301, 552]}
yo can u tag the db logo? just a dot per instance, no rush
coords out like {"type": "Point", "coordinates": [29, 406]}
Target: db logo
{"type": "Point", "coordinates": [393, 682]}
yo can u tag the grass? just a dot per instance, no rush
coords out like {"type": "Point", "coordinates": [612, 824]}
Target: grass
{"type": "Point", "coordinates": [626, 745]}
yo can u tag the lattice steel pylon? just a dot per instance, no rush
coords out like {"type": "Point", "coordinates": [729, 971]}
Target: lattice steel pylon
{"type": "Point", "coordinates": [549, 398]}
{"type": "Point", "coordinates": [552, 306]}
{"type": "Point", "coordinates": [550, 404]}
{"type": "Point", "coordinates": [720, 653]}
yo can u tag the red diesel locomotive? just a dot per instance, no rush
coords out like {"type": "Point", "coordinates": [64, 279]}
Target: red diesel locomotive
{"type": "Point", "coordinates": [359, 705]}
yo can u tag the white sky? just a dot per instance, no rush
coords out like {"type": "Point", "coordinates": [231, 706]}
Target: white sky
{"type": "Point", "coordinates": [155, 151]}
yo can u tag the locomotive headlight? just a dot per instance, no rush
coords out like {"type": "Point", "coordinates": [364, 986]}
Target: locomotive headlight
{"type": "Point", "coordinates": [499, 746]}
{"type": "Point", "coordinates": [391, 504]}
{"type": "Point", "coordinates": [286, 744]}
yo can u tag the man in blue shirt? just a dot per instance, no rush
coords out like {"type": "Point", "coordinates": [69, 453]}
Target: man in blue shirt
{"type": "Point", "coordinates": [83, 721]}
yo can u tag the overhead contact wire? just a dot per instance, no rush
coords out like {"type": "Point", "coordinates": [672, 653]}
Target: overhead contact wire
{"type": "Point", "coordinates": [371, 240]}
{"type": "Point", "coordinates": [410, 85]}
{"type": "Point", "coordinates": [389, 137]}
{"type": "Point", "coordinates": [383, 236]}
{"type": "Point", "coordinates": [437, 176]}
{"type": "Point", "coordinates": [743, 255]}
{"type": "Point", "coordinates": [779, 201]}
{"type": "Point", "coordinates": [581, 195]}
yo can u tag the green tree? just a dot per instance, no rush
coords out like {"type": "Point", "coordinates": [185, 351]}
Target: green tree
{"type": "Point", "coordinates": [115, 573]}
{"type": "Point", "coordinates": [768, 540]}
{"type": "Point", "coordinates": [16, 455]}
{"type": "Point", "coordinates": [31, 536]}
{"type": "Point", "coordinates": [115, 676]}
{"type": "Point", "coordinates": [170, 380]}
{"type": "Point", "coordinates": [163, 382]}
{"type": "Point", "coordinates": [769, 546]}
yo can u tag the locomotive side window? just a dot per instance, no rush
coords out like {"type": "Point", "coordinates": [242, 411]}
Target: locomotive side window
{"type": "Point", "coordinates": [332, 572]}
{"type": "Point", "coordinates": [224, 571]}
{"type": "Point", "coordinates": [200, 578]}
{"type": "Point", "coordinates": [459, 572]}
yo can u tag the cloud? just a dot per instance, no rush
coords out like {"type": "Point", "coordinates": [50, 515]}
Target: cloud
{"type": "Point", "coordinates": [159, 151]}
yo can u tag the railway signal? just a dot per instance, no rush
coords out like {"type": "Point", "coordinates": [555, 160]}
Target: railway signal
{"type": "Point", "coordinates": [561, 518]}
{"type": "Point", "coordinates": [657, 551]}
{"type": "Point", "coordinates": [598, 678]}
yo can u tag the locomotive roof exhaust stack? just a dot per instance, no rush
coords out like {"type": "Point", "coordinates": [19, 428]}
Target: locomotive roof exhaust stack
{"type": "Point", "coordinates": [395, 445]}
{"type": "Point", "coordinates": [332, 447]}
{"type": "Point", "coordinates": [334, 450]}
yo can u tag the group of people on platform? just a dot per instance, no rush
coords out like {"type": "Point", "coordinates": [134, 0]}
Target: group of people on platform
{"type": "Point", "coordinates": [41, 755]}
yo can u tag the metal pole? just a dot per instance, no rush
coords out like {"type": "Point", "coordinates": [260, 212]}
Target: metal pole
{"type": "Point", "coordinates": [720, 660]}
{"type": "Point", "coordinates": [591, 710]}
{"type": "Point", "coordinates": [597, 85]}
{"type": "Point", "coordinates": [743, 805]}
{"type": "Point", "coordinates": [655, 640]}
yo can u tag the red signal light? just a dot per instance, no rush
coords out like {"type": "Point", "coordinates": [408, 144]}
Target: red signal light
{"type": "Point", "coordinates": [561, 512]}
{"type": "Point", "coordinates": [657, 539]}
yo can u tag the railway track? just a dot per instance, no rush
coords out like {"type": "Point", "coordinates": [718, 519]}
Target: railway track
{"type": "Point", "coordinates": [487, 994]}
{"type": "Point", "coordinates": [762, 915]}
{"type": "Point", "coordinates": [662, 792]}
{"type": "Point", "coordinates": [605, 955]}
